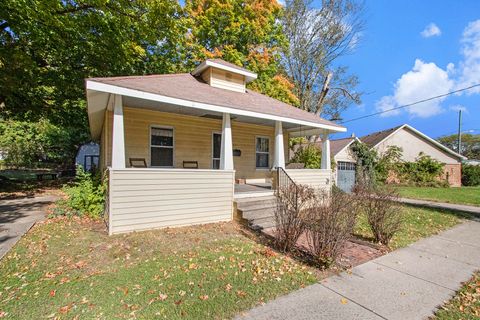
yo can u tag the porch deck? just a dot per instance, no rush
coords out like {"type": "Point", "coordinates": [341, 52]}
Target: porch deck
{"type": "Point", "coordinates": [252, 190]}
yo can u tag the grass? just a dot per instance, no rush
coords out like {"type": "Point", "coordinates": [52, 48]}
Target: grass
{"type": "Point", "coordinates": [462, 195]}
{"type": "Point", "coordinates": [466, 303]}
{"type": "Point", "coordinates": [68, 268]}
{"type": "Point", "coordinates": [418, 223]}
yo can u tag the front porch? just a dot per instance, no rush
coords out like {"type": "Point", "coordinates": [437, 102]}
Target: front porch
{"type": "Point", "coordinates": [173, 163]}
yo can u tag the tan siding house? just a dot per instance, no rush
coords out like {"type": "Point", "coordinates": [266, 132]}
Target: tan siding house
{"type": "Point", "coordinates": [414, 142]}
{"type": "Point", "coordinates": [174, 146]}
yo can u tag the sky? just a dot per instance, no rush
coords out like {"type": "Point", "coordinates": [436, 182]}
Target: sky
{"type": "Point", "coordinates": [413, 50]}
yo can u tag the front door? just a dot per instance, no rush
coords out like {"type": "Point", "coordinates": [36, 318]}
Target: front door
{"type": "Point", "coordinates": [346, 175]}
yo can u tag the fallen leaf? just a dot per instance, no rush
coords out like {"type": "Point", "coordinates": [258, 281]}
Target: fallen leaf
{"type": "Point", "coordinates": [204, 297]}
{"type": "Point", "coordinates": [52, 293]}
{"type": "Point", "coordinates": [343, 301]}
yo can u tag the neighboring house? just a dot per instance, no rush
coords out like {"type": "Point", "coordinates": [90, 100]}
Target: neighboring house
{"type": "Point", "coordinates": [472, 162]}
{"type": "Point", "coordinates": [88, 156]}
{"type": "Point", "coordinates": [174, 145]}
{"type": "Point", "coordinates": [345, 163]}
{"type": "Point", "coordinates": [413, 142]}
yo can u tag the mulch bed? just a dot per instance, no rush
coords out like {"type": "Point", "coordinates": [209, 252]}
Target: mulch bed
{"type": "Point", "coordinates": [354, 252]}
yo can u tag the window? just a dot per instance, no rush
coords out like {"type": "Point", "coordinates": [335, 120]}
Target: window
{"type": "Point", "coordinates": [261, 153]}
{"type": "Point", "coordinates": [161, 147]}
{"type": "Point", "coordinates": [216, 146]}
{"type": "Point", "coordinates": [346, 166]}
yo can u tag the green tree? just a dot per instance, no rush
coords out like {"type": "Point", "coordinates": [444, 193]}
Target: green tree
{"type": "Point", "coordinates": [48, 48]}
{"type": "Point", "coordinates": [246, 33]}
{"type": "Point", "coordinates": [470, 144]}
{"type": "Point", "coordinates": [309, 155]}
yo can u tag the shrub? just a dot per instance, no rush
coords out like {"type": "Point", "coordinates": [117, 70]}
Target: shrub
{"type": "Point", "coordinates": [292, 204]}
{"type": "Point", "coordinates": [382, 211]}
{"type": "Point", "coordinates": [87, 195]}
{"type": "Point", "coordinates": [471, 175]}
{"type": "Point", "coordinates": [329, 224]}
{"type": "Point", "coordinates": [309, 155]}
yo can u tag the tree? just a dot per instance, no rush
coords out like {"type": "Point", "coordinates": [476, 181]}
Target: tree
{"type": "Point", "coordinates": [48, 48]}
{"type": "Point", "coordinates": [246, 33]}
{"type": "Point", "coordinates": [317, 38]}
{"type": "Point", "coordinates": [470, 144]}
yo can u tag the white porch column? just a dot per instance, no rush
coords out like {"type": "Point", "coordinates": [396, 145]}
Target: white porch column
{"type": "Point", "coordinates": [279, 156]}
{"type": "Point", "coordinates": [326, 164]}
{"type": "Point", "coordinates": [118, 139]}
{"type": "Point", "coordinates": [226, 150]}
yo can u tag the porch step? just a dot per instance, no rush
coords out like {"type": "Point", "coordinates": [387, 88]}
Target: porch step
{"type": "Point", "coordinates": [258, 212]}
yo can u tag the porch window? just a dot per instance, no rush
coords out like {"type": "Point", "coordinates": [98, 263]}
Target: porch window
{"type": "Point", "coordinates": [216, 146]}
{"type": "Point", "coordinates": [262, 153]}
{"type": "Point", "coordinates": [161, 147]}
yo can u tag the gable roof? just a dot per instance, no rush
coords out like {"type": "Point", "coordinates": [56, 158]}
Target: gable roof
{"type": "Point", "coordinates": [375, 138]}
{"type": "Point", "coordinates": [339, 144]}
{"type": "Point", "coordinates": [193, 90]}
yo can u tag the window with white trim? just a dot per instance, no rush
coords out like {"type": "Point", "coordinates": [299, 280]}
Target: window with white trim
{"type": "Point", "coordinates": [262, 153]}
{"type": "Point", "coordinates": [216, 147]}
{"type": "Point", "coordinates": [161, 147]}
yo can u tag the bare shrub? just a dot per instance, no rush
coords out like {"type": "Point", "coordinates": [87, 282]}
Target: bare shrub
{"type": "Point", "coordinates": [384, 215]}
{"type": "Point", "coordinates": [330, 224]}
{"type": "Point", "coordinates": [293, 202]}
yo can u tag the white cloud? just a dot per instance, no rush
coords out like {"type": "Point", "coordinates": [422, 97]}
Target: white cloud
{"type": "Point", "coordinates": [423, 81]}
{"type": "Point", "coordinates": [469, 67]}
{"type": "Point", "coordinates": [458, 107]}
{"type": "Point", "coordinates": [431, 30]}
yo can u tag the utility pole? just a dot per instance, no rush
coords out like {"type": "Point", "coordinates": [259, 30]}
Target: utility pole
{"type": "Point", "coordinates": [460, 131]}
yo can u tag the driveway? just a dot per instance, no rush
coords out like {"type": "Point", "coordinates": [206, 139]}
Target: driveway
{"type": "Point", "coordinates": [18, 216]}
{"type": "Point", "coordinates": [408, 283]}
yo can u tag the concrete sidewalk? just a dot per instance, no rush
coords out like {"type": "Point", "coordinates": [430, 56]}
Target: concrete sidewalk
{"type": "Point", "coordinates": [409, 283]}
{"type": "Point", "coordinates": [18, 216]}
{"type": "Point", "coordinates": [442, 205]}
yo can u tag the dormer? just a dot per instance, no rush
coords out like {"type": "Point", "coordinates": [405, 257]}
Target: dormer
{"type": "Point", "coordinates": [225, 75]}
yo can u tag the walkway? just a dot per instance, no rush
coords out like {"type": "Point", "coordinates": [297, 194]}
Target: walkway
{"type": "Point", "coordinates": [442, 205]}
{"type": "Point", "coordinates": [409, 283]}
{"type": "Point", "coordinates": [18, 216]}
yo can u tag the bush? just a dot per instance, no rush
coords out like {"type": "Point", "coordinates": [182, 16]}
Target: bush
{"type": "Point", "coordinates": [470, 175]}
{"type": "Point", "coordinates": [382, 211]}
{"type": "Point", "coordinates": [330, 224]}
{"type": "Point", "coordinates": [87, 195]}
{"type": "Point", "coordinates": [292, 204]}
{"type": "Point", "coordinates": [309, 155]}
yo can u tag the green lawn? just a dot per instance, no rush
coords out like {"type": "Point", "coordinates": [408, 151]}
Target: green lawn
{"type": "Point", "coordinates": [417, 223]}
{"type": "Point", "coordinates": [466, 303]}
{"type": "Point", "coordinates": [71, 268]}
{"type": "Point", "coordinates": [463, 195]}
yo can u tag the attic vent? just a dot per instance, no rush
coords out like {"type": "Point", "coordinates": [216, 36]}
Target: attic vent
{"type": "Point", "coordinates": [228, 76]}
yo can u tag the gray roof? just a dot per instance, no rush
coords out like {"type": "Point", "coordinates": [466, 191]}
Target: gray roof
{"type": "Point", "coordinates": [188, 87]}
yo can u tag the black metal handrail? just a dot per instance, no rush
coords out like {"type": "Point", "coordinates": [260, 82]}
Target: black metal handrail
{"type": "Point", "coordinates": [287, 186]}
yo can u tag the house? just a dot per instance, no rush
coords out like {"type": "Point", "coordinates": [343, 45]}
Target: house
{"type": "Point", "coordinates": [88, 156]}
{"type": "Point", "coordinates": [174, 145]}
{"type": "Point", "coordinates": [413, 142]}
{"type": "Point", "coordinates": [345, 163]}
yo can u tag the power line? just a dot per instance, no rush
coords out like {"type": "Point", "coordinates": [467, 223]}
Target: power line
{"type": "Point", "coordinates": [412, 104]}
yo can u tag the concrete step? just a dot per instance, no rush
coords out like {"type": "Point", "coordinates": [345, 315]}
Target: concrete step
{"type": "Point", "coordinates": [259, 213]}
{"type": "Point", "coordinates": [255, 203]}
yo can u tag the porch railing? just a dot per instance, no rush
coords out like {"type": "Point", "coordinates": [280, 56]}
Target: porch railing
{"type": "Point", "coordinates": [286, 187]}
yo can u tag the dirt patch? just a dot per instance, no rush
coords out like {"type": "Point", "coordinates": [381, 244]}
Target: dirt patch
{"type": "Point", "coordinates": [354, 252]}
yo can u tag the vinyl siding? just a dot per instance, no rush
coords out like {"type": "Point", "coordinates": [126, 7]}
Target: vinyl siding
{"type": "Point", "coordinates": [412, 145]}
{"type": "Point", "coordinates": [226, 80]}
{"type": "Point", "coordinates": [316, 178]}
{"type": "Point", "coordinates": [192, 139]}
{"type": "Point", "coordinates": [141, 199]}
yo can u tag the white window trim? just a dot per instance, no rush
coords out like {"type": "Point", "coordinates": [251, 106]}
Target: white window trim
{"type": "Point", "coordinates": [262, 152]}
{"type": "Point", "coordinates": [213, 140]}
{"type": "Point", "coordinates": [150, 144]}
